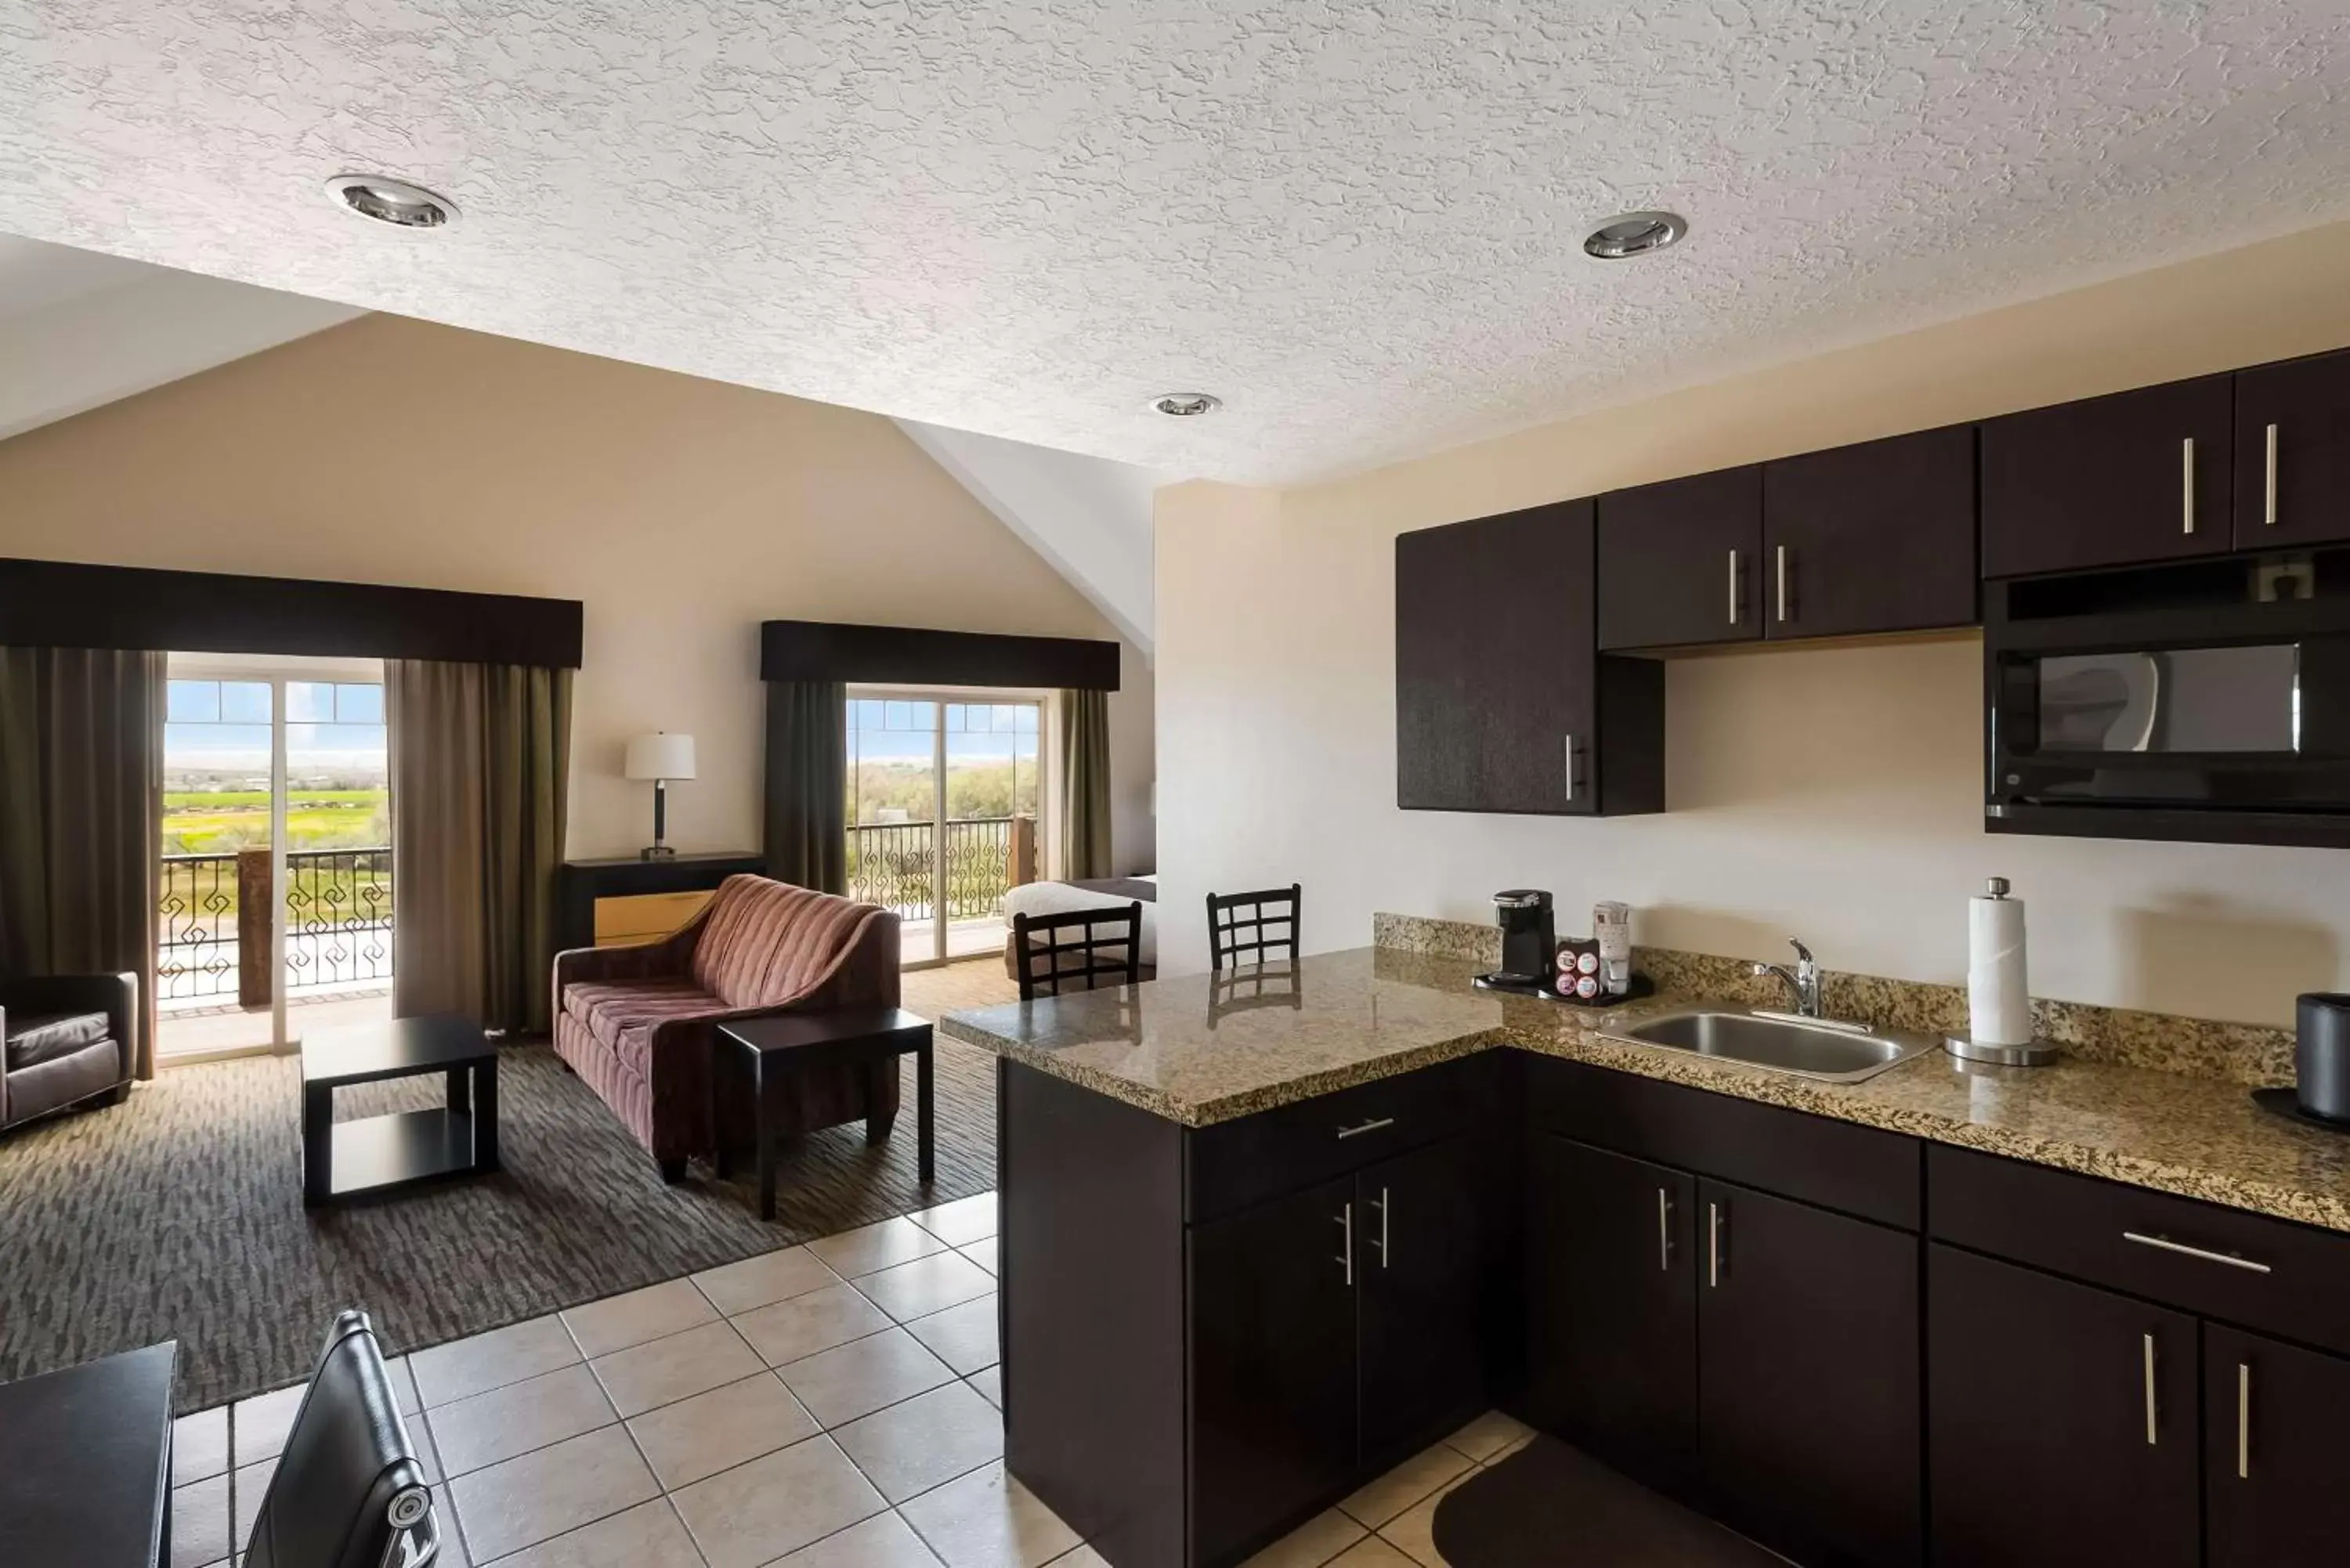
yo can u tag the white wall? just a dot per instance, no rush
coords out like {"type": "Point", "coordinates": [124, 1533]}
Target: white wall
{"type": "Point", "coordinates": [1828, 792]}
{"type": "Point", "coordinates": [1088, 515]}
{"type": "Point", "coordinates": [78, 329]}
{"type": "Point", "coordinates": [682, 512]}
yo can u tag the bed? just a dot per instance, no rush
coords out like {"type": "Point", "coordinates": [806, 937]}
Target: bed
{"type": "Point", "coordinates": [1034, 898]}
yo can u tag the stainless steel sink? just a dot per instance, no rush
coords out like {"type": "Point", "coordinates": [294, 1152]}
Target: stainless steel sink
{"type": "Point", "coordinates": [1833, 1052]}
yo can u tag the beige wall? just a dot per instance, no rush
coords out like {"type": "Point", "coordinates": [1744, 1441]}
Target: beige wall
{"type": "Point", "coordinates": [682, 511]}
{"type": "Point", "coordinates": [1832, 793]}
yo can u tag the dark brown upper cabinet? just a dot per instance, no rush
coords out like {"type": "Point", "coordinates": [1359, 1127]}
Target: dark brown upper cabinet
{"type": "Point", "coordinates": [1877, 538]}
{"type": "Point", "coordinates": [1503, 702]}
{"type": "Point", "coordinates": [2292, 446]}
{"type": "Point", "coordinates": [2110, 482]}
{"type": "Point", "coordinates": [1680, 563]}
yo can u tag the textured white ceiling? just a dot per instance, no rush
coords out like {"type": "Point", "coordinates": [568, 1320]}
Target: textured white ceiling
{"type": "Point", "coordinates": [1356, 221]}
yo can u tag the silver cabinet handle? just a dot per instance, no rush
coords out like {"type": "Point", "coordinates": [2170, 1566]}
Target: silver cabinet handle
{"type": "Point", "coordinates": [1382, 1206]}
{"type": "Point", "coordinates": [1374, 1125]}
{"type": "Point", "coordinates": [1714, 1245]}
{"type": "Point", "coordinates": [2268, 484]}
{"type": "Point", "coordinates": [2187, 484]}
{"type": "Point", "coordinates": [2166, 1244]}
{"type": "Point", "coordinates": [1664, 1230]}
{"type": "Point", "coordinates": [1733, 588]}
{"type": "Point", "coordinates": [1782, 582]}
{"type": "Point", "coordinates": [2151, 1410]}
{"type": "Point", "coordinates": [1345, 1220]}
{"type": "Point", "coordinates": [2244, 1406]}
{"type": "Point", "coordinates": [1571, 782]}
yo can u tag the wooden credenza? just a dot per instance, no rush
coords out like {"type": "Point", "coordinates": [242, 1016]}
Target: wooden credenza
{"type": "Point", "coordinates": [609, 903]}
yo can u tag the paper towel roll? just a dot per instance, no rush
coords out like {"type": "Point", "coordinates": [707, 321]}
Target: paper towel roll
{"type": "Point", "coordinates": [1998, 993]}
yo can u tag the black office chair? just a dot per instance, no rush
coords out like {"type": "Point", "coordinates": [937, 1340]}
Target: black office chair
{"type": "Point", "coordinates": [1237, 923]}
{"type": "Point", "coordinates": [349, 1491]}
{"type": "Point", "coordinates": [1077, 950]}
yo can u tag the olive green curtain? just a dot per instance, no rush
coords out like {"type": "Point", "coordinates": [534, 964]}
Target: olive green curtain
{"type": "Point", "coordinates": [807, 774]}
{"type": "Point", "coordinates": [1083, 803]}
{"type": "Point", "coordinates": [481, 763]}
{"type": "Point", "coordinates": [81, 825]}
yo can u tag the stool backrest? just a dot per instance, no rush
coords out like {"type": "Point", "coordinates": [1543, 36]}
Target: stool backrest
{"type": "Point", "coordinates": [1077, 951]}
{"type": "Point", "coordinates": [1238, 924]}
{"type": "Point", "coordinates": [349, 1491]}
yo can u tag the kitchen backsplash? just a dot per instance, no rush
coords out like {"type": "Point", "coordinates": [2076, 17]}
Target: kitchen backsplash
{"type": "Point", "coordinates": [2242, 1052]}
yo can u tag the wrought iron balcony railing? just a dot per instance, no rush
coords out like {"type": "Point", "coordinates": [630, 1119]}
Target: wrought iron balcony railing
{"type": "Point", "coordinates": [894, 865]}
{"type": "Point", "coordinates": [213, 935]}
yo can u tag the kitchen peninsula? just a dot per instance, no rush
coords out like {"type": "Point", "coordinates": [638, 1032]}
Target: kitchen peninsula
{"type": "Point", "coordinates": [1266, 1232]}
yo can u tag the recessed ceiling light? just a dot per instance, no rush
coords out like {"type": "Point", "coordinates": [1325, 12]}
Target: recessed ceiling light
{"type": "Point", "coordinates": [1633, 234]}
{"type": "Point", "coordinates": [390, 201]}
{"type": "Point", "coordinates": [1187, 405]}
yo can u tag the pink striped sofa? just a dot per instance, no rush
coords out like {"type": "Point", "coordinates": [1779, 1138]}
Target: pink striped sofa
{"type": "Point", "coordinates": [637, 1023]}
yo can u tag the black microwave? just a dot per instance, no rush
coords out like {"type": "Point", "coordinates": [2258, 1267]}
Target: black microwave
{"type": "Point", "coordinates": [2209, 702]}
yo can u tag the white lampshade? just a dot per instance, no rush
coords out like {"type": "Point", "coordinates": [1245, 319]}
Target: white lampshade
{"type": "Point", "coordinates": [660, 756]}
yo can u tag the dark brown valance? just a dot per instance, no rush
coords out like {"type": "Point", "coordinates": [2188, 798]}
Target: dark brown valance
{"type": "Point", "coordinates": [68, 604]}
{"type": "Point", "coordinates": [917, 656]}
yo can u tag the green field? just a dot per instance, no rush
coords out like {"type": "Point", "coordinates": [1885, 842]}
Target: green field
{"type": "Point", "coordinates": [217, 822]}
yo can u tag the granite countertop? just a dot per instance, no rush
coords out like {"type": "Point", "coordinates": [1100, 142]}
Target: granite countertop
{"type": "Point", "coordinates": [1204, 1049]}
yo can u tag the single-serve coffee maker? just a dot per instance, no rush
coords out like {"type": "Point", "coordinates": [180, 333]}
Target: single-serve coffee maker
{"type": "Point", "coordinates": [1529, 940]}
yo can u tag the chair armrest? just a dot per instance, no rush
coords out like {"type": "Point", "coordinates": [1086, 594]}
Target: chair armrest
{"type": "Point", "coordinates": [116, 995]}
{"type": "Point", "coordinates": [663, 959]}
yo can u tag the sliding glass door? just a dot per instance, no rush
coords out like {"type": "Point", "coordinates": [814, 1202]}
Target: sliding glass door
{"type": "Point", "coordinates": [943, 795]}
{"type": "Point", "coordinates": [274, 902]}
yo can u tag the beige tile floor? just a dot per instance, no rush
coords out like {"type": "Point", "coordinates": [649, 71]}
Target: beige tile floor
{"type": "Point", "coordinates": [828, 1405]}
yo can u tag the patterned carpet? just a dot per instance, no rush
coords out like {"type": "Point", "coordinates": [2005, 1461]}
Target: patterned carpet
{"type": "Point", "coordinates": [180, 1214]}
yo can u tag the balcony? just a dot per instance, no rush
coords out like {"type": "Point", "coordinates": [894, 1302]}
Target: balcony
{"type": "Point", "coordinates": [898, 866]}
{"type": "Point", "coordinates": [213, 968]}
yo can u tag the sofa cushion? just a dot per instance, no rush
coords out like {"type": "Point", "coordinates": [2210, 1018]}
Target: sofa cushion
{"type": "Point", "coordinates": [45, 1036]}
{"type": "Point", "coordinates": [768, 943]}
{"type": "Point", "coordinates": [612, 1010]}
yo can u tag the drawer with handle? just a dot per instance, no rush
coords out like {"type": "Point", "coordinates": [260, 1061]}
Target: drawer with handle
{"type": "Point", "coordinates": [1236, 1164]}
{"type": "Point", "coordinates": [2292, 1280]}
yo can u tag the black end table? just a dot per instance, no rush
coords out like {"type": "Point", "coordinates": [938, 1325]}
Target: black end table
{"type": "Point", "coordinates": [783, 1045]}
{"type": "Point", "coordinates": [341, 1159]}
{"type": "Point", "coordinates": [85, 1463]}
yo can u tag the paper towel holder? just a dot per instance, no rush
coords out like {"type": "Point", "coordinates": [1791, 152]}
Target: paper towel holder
{"type": "Point", "coordinates": [1966, 1048]}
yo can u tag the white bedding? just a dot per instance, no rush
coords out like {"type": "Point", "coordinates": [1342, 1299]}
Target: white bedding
{"type": "Point", "coordinates": [1059, 898]}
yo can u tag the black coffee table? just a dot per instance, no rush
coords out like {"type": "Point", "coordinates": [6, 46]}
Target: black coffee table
{"type": "Point", "coordinates": [783, 1045]}
{"type": "Point", "coordinates": [342, 1160]}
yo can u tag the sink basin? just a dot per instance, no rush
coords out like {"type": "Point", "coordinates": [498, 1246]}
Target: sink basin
{"type": "Point", "coordinates": [1805, 1047]}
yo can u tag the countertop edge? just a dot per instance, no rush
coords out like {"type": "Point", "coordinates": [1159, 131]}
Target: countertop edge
{"type": "Point", "coordinates": [2201, 1184]}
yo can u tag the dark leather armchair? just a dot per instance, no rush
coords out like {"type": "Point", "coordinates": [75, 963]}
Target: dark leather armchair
{"type": "Point", "coordinates": [349, 1491]}
{"type": "Point", "coordinates": [67, 1039]}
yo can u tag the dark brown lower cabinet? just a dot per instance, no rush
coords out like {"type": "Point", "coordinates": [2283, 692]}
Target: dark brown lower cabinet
{"type": "Point", "coordinates": [1757, 1355]}
{"type": "Point", "coordinates": [1808, 1383]}
{"type": "Point", "coordinates": [1611, 1276]}
{"type": "Point", "coordinates": [1273, 1366]}
{"type": "Point", "coordinates": [1333, 1329]}
{"type": "Point", "coordinates": [2276, 1445]}
{"type": "Point", "coordinates": [2061, 1421]}
{"type": "Point", "coordinates": [1420, 1260]}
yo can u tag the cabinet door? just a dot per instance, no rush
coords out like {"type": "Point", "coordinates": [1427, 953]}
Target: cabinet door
{"type": "Point", "coordinates": [1495, 673]}
{"type": "Point", "coordinates": [1422, 1255]}
{"type": "Point", "coordinates": [2292, 453]}
{"type": "Point", "coordinates": [2138, 476]}
{"type": "Point", "coordinates": [2061, 1421]}
{"type": "Point", "coordinates": [1681, 562]}
{"type": "Point", "coordinates": [1273, 1366]}
{"type": "Point", "coordinates": [1871, 538]}
{"type": "Point", "coordinates": [1809, 1418]}
{"type": "Point", "coordinates": [1611, 1306]}
{"type": "Point", "coordinates": [2276, 1449]}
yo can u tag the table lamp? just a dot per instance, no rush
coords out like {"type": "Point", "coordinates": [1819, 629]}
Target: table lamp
{"type": "Point", "coordinates": [660, 757]}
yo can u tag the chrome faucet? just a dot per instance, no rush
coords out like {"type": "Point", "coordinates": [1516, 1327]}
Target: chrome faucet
{"type": "Point", "coordinates": [1804, 979]}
